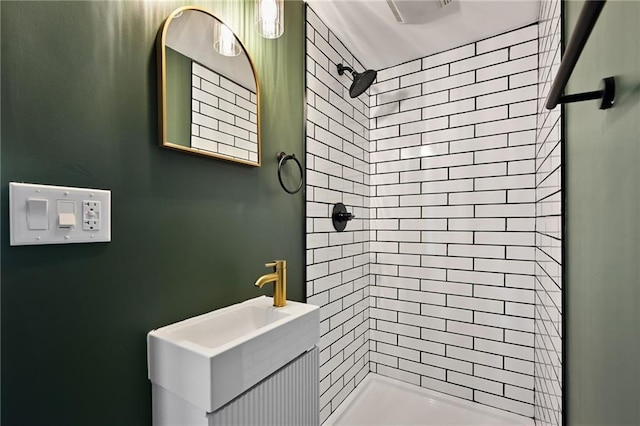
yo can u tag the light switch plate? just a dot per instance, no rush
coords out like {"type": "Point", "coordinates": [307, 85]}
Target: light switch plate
{"type": "Point", "coordinates": [65, 207]}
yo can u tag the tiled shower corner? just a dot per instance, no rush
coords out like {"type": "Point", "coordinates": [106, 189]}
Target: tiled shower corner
{"type": "Point", "coordinates": [548, 319]}
{"type": "Point", "coordinates": [440, 280]}
{"type": "Point", "coordinates": [337, 165]}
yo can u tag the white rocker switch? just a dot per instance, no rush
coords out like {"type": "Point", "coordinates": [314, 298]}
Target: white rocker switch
{"type": "Point", "coordinates": [66, 214]}
{"type": "Point", "coordinates": [37, 213]}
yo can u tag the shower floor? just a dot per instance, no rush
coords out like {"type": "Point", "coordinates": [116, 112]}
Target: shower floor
{"type": "Point", "coordinates": [380, 400]}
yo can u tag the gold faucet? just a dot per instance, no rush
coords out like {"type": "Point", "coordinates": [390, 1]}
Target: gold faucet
{"type": "Point", "coordinates": [279, 279]}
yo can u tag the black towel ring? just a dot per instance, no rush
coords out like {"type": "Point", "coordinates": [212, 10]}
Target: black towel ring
{"type": "Point", "coordinates": [282, 159]}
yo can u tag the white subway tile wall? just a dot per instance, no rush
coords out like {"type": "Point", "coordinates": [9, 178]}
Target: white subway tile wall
{"type": "Point", "coordinates": [548, 269]}
{"type": "Point", "coordinates": [453, 213]}
{"type": "Point", "coordinates": [337, 164]}
{"type": "Point", "coordinates": [452, 167]}
{"type": "Point", "coordinates": [224, 115]}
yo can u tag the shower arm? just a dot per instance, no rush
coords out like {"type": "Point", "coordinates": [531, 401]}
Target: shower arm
{"type": "Point", "coordinates": [342, 69]}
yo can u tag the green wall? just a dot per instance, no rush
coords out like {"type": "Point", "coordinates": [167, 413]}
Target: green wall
{"type": "Point", "coordinates": [189, 234]}
{"type": "Point", "coordinates": [603, 225]}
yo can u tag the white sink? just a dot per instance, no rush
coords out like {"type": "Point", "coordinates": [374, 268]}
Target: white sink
{"type": "Point", "coordinates": [210, 359]}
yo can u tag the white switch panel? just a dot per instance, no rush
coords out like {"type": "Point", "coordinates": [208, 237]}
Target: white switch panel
{"type": "Point", "coordinates": [45, 214]}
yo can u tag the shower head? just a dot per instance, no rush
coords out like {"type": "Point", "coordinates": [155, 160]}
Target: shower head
{"type": "Point", "coordinates": [361, 81]}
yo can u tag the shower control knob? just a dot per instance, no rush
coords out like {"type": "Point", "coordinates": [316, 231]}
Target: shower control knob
{"type": "Point", "coordinates": [340, 216]}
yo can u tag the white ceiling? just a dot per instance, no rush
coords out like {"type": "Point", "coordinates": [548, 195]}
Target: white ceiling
{"type": "Point", "coordinates": [370, 31]}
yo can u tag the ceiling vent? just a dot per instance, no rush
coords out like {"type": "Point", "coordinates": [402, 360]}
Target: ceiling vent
{"type": "Point", "coordinates": [421, 11]}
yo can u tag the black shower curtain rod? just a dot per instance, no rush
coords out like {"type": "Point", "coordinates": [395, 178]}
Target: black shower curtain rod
{"type": "Point", "coordinates": [586, 21]}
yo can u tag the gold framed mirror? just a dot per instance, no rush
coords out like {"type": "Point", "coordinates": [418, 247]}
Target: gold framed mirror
{"type": "Point", "coordinates": [208, 89]}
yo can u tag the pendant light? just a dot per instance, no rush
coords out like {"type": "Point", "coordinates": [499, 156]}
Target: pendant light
{"type": "Point", "coordinates": [270, 18]}
{"type": "Point", "coordinates": [224, 41]}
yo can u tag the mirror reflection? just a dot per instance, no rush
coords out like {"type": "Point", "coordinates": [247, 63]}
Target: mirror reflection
{"type": "Point", "coordinates": [209, 90]}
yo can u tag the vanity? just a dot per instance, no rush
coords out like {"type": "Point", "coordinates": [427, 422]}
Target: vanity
{"type": "Point", "coordinates": [247, 364]}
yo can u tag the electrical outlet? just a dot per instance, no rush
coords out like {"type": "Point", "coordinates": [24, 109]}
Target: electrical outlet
{"type": "Point", "coordinates": [91, 215]}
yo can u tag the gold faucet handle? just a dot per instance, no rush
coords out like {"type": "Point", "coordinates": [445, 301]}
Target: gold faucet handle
{"type": "Point", "coordinates": [276, 264]}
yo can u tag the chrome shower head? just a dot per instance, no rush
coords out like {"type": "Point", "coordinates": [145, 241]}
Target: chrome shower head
{"type": "Point", "coordinates": [361, 81]}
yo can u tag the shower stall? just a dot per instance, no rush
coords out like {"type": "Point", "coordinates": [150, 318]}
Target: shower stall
{"type": "Point", "coordinates": [448, 278]}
